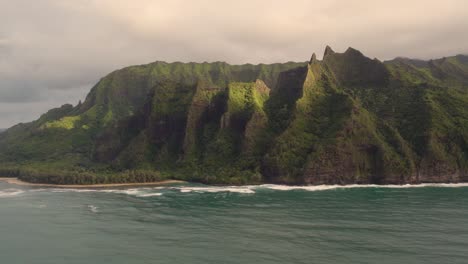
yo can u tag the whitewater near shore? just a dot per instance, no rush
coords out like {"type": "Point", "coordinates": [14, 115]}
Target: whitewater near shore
{"type": "Point", "coordinates": [184, 186]}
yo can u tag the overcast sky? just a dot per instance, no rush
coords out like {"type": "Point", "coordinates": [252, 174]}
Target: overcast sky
{"type": "Point", "coordinates": [53, 51]}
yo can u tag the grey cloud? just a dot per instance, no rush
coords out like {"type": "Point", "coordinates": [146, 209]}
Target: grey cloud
{"type": "Point", "coordinates": [49, 48]}
{"type": "Point", "coordinates": [12, 112]}
{"type": "Point", "coordinates": [18, 92]}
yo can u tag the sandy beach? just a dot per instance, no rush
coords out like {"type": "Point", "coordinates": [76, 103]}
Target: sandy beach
{"type": "Point", "coordinates": [20, 182]}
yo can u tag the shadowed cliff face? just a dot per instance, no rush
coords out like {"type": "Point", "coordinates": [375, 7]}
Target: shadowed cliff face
{"type": "Point", "coordinates": [345, 119]}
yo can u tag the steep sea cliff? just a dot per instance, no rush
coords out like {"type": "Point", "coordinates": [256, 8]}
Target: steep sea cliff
{"type": "Point", "coordinates": [346, 119]}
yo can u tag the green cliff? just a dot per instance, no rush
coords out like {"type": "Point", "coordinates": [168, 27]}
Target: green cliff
{"type": "Point", "coordinates": [345, 119]}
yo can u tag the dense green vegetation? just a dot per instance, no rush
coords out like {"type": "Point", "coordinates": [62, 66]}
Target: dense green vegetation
{"type": "Point", "coordinates": [345, 119]}
{"type": "Point", "coordinates": [67, 177]}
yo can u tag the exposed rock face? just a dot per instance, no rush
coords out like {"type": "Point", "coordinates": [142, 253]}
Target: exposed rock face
{"type": "Point", "coordinates": [328, 51]}
{"type": "Point", "coordinates": [354, 69]}
{"type": "Point", "coordinates": [204, 101]}
{"type": "Point", "coordinates": [313, 59]}
{"type": "Point", "coordinates": [345, 119]}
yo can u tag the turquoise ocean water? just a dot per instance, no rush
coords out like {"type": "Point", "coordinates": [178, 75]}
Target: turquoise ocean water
{"type": "Point", "coordinates": [252, 224]}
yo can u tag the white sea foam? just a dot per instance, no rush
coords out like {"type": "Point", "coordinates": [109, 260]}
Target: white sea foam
{"type": "Point", "coordinates": [149, 195]}
{"type": "Point", "coordinates": [253, 188]}
{"type": "Point", "coordinates": [134, 191]}
{"type": "Point", "coordinates": [351, 186]}
{"type": "Point", "coordinates": [138, 192]}
{"type": "Point", "coordinates": [248, 189]}
{"type": "Point", "coordinates": [215, 189]}
{"type": "Point", "coordinates": [93, 208]}
{"type": "Point", "coordinates": [63, 190]}
{"type": "Point", "coordinates": [10, 193]}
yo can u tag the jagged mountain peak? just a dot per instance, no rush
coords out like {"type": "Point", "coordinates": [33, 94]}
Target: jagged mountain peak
{"type": "Point", "coordinates": [349, 54]}
{"type": "Point", "coordinates": [328, 51]}
{"type": "Point", "coordinates": [353, 51]}
{"type": "Point", "coordinates": [313, 59]}
{"type": "Point", "coordinates": [352, 68]}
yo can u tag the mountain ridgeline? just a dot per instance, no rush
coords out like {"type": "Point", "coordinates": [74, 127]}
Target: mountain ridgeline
{"type": "Point", "coordinates": [345, 119]}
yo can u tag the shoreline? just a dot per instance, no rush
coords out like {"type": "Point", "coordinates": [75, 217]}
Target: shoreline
{"type": "Point", "coordinates": [17, 181]}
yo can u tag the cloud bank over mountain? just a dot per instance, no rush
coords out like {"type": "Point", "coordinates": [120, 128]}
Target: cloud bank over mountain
{"type": "Point", "coordinates": [53, 51]}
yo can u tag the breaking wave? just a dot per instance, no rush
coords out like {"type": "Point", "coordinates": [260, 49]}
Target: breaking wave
{"type": "Point", "coordinates": [10, 193]}
{"type": "Point", "coordinates": [149, 195]}
{"type": "Point", "coordinates": [232, 189]}
{"type": "Point", "coordinates": [352, 186]}
{"type": "Point", "coordinates": [146, 192]}
{"type": "Point", "coordinates": [250, 189]}
{"type": "Point", "coordinates": [138, 192]}
{"type": "Point", "coordinates": [92, 208]}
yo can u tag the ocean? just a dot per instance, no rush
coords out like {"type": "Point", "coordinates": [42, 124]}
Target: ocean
{"type": "Point", "coordinates": [192, 223]}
